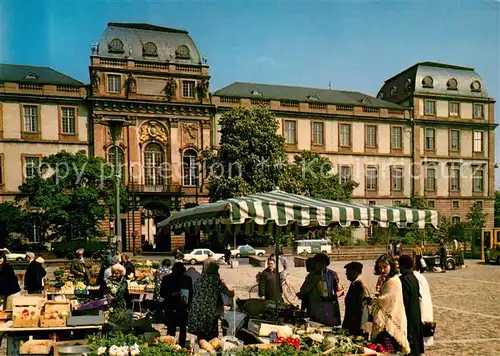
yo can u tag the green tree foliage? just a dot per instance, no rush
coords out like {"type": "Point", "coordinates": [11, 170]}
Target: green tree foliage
{"type": "Point", "coordinates": [497, 208]}
{"type": "Point", "coordinates": [10, 221]}
{"type": "Point", "coordinates": [251, 156]}
{"type": "Point", "coordinates": [312, 175]}
{"type": "Point", "coordinates": [476, 217]}
{"type": "Point", "coordinates": [69, 196]}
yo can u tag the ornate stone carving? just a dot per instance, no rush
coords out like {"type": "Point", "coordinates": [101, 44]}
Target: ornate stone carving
{"type": "Point", "coordinates": [95, 48]}
{"type": "Point", "coordinates": [96, 81]}
{"type": "Point", "coordinates": [170, 88]}
{"type": "Point", "coordinates": [131, 84]}
{"type": "Point", "coordinates": [202, 89]}
{"type": "Point", "coordinates": [190, 133]}
{"type": "Point", "coordinates": [206, 125]}
{"type": "Point", "coordinates": [153, 131]}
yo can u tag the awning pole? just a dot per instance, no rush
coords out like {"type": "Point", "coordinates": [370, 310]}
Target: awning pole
{"type": "Point", "coordinates": [278, 273]}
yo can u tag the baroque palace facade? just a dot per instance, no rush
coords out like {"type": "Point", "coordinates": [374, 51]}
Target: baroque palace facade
{"type": "Point", "coordinates": [429, 132]}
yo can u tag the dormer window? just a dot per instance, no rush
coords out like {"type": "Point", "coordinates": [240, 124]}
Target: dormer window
{"type": "Point", "coordinates": [256, 93]}
{"type": "Point", "coordinates": [182, 52]}
{"type": "Point", "coordinates": [408, 85]}
{"type": "Point", "coordinates": [428, 82]}
{"type": "Point", "coordinates": [116, 46]}
{"type": "Point", "coordinates": [475, 86]}
{"type": "Point", "coordinates": [313, 97]}
{"type": "Point", "coordinates": [149, 49]}
{"type": "Point", "coordinates": [380, 95]}
{"type": "Point", "coordinates": [365, 101]}
{"type": "Point", "coordinates": [394, 90]}
{"type": "Point", "coordinates": [452, 84]}
{"type": "Point", "coordinates": [31, 76]}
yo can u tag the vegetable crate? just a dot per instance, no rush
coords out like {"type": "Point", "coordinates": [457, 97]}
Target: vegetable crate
{"type": "Point", "coordinates": [26, 311]}
{"type": "Point", "coordinates": [55, 314]}
{"type": "Point", "coordinates": [36, 347]}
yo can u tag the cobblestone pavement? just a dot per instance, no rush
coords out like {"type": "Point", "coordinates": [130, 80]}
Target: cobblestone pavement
{"type": "Point", "coordinates": [466, 303]}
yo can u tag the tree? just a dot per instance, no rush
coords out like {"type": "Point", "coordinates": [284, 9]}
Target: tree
{"type": "Point", "coordinates": [312, 175]}
{"type": "Point", "coordinates": [251, 156]}
{"type": "Point", "coordinates": [10, 220]}
{"type": "Point", "coordinates": [497, 208]}
{"type": "Point", "coordinates": [476, 217]}
{"type": "Point", "coordinates": [69, 196]}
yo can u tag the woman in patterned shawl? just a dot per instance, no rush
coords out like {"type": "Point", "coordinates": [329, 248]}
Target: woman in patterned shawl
{"type": "Point", "coordinates": [117, 287]}
{"type": "Point", "coordinates": [207, 306]}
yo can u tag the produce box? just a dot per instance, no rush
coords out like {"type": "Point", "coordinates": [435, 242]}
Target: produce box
{"type": "Point", "coordinates": [86, 320]}
{"type": "Point", "coordinates": [55, 314]}
{"type": "Point", "coordinates": [26, 311]}
{"type": "Point", "coordinates": [35, 347]}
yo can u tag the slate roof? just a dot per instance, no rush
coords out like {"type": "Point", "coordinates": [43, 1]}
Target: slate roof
{"type": "Point", "coordinates": [302, 94]}
{"type": "Point", "coordinates": [135, 35]}
{"type": "Point", "coordinates": [31, 74]}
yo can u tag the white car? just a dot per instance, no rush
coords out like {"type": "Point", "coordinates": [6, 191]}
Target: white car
{"type": "Point", "coordinates": [245, 251]}
{"type": "Point", "coordinates": [198, 255]}
{"type": "Point", "coordinates": [19, 257]}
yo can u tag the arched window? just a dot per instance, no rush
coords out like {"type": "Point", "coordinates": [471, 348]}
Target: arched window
{"type": "Point", "coordinates": [121, 160]}
{"type": "Point", "coordinates": [116, 46]}
{"type": "Point", "coordinates": [149, 49]}
{"type": "Point", "coordinates": [189, 168]}
{"type": "Point", "coordinates": [154, 162]}
{"type": "Point", "coordinates": [183, 52]}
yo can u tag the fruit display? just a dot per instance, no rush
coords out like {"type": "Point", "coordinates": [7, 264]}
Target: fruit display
{"type": "Point", "coordinates": [134, 286]}
{"type": "Point", "coordinates": [68, 288]}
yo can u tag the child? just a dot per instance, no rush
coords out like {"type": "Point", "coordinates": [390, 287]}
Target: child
{"type": "Point", "coordinates": [356, 305]}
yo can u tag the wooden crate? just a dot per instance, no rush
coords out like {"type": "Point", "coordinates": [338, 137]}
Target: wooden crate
{"type": "Point", "coordinates": [36, 347]}
{"type": "Point", "coordinates": [52, 323]}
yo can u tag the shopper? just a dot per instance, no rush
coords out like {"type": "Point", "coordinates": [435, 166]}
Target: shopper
{"type": "Point", "coordinates": [443, 254]}
{"type": "Point", "coordinates": [305, 298]}
{"type": "Point", "coordinates": [79, 268]}
{"type": "Point", "coordinates": [129, 266]}
{"type": "Point", "coordinates": [411, 299]}
{"type": "Point", "coordinates": [270, 283]}
{"type": "Point", "coordinates": [9, 285]}
{"type": "Point", "coordinates": [35, 273]}
{"type": "Point", "coordinates": [356, 305]}
{"type": "Point", "coordinates": [117, 287]}
{"type": "Point", "coordinates": [390, 327]}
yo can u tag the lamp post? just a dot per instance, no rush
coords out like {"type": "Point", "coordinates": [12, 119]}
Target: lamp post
{"type": "Point", "coordinates": [115, 129]}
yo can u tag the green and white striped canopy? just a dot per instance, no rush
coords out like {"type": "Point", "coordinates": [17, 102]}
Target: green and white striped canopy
{"type": "Point", "coordinates": [284, 211]}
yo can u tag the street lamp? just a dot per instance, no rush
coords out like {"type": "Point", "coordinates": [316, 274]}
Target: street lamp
{"type": "Point", "coordinates": [115, 129]}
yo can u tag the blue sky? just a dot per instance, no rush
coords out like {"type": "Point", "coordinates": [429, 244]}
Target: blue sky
{"type": "Point", "coordinates": [355, 45]}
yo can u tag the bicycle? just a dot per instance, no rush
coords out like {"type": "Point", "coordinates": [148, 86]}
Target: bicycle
{"type": "Point", "coordinates": [289, 293]}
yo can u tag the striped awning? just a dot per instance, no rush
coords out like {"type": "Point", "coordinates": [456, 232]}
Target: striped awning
{"type": "Point", "coordinates": [286, 212]}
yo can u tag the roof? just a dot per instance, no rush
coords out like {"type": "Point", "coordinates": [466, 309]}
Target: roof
{"type": "Point", "coordinates": [301, 94]}
{"type": "Point", "coordinates": [411, 81]}
{"type": "Point", "coordinates": [31, 74]}
{"type": "Point", "coordinates": [134, 37]}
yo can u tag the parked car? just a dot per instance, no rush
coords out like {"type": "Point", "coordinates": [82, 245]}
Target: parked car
{"type": "Point", "coordinates": [93, 249]}
{"type": "Point", "coordinates": [245, 251]}
{"type": "Point", "coordinates": [198, 255]}
{"type": "Point", "coordinates": [19, 257]}
{"type": "Point", "coordinates": [493, 255]}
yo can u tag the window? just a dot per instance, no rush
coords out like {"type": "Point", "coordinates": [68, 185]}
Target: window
{"type": "Point", "coordinates": [372, 202]}
{"type": "Point", "coordinates": [454, 179]}
{"type": "Point", "coordinates": [479, 203]}
{"type": "Point", "coordinates": [31, 166]}
{"type": "Point", "coordinates": [345, 135]}
{"type": "Point", "coordinates": [454, 108]}
{"type": "Point", "coordinates": [478, 141]}
{"type": "Point", "coordinates": [183, 52]}
{"type": "Point", "coordinates": [68, 117]}
{"type": "Point", "coordinates": [452, 84]}
{"type": "Point", "coordinates": [371, 136]}
{"type": "Point", "coordinates": [430, 179]}
{"type": "Point", "coordinates": [31, 123]}
{"type": "Point", "coordinates": [454, 140]}
{"type": "Point", "coordinates": [188, 89]}
{"type": "Point", "coordinates": [478, 180]}
{"type": "Point", "coordinates": [430, 107]}
{"type": "Point", "coordinates": [149, 49]}
{"type": "Point", "coordinates": [396, 202]}
{"type": "Point", "coordinates": [455, 204]}
{"type": "Point", "coordinates": [478, 111]}
{"type": "Point", "coordinates": [116, 46]}
{"type": "Point", "coordinates": [345, 174]}
{"type": "Point", "coordinates": [290, 131]}
{"type": "Point", "coordinates": [397, 179]}
{"type": "Point", "coordinates": [397, 138]}
{"type": "Point", "coordinates": [154, 159]}
{"type": "Point", "coordinates": [189, 168]}
{"type": "Point", "coordinates": [430, 139]}
{"type": "Point", "coordinates": [431, 204]}
{"type": "Point", "coordinates": [455, 220]}
{"type": "Point", "coordinates": [114, 83]}
{"type": "Point", "coordinates": [121, 161]}
{"type": "Point", "coordinates": [427, 82]}
{"type": "Point", "coordinates": [318, 133]}
{"type": "Point", "coordinates": [371, 178]}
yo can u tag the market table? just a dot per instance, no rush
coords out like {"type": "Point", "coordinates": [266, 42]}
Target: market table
{"type": "Point", "coordinates": [13, 340]}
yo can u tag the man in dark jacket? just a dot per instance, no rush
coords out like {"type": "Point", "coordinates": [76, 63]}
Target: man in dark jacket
{"type": "Point", "coordinates": [9, 285]}
{"type": "Point", "coordinates": [129, 266]}
{"type": "Point", "coordinates": [33, 278]}
{"type": "Point", "coordinates": [269, 287]}
{"type": "Point", "coordinates": [177, 293]}
{"type": "Point", "coordinates": [356, 306]}
{"type": "Point", "coordinates": [411, 299]}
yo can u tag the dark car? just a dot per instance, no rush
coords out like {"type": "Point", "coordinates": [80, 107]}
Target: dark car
{"type": "Point", "coordinates": [92, 249]}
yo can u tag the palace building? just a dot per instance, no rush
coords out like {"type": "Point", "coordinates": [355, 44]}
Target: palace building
{"type": "Point", "coordinates": [42, 112]}
{"type": "Point", "coordinates": [155, 80]}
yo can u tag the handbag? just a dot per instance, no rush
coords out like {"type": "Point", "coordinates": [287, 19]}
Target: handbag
{"type": "Point", "coordinates": [429, 328]}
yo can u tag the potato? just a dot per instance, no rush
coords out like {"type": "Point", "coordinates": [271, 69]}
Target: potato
{"type": "Point", "coordinates": [216, 344]}
{"type": "Point", "coordinates": [206, 346]}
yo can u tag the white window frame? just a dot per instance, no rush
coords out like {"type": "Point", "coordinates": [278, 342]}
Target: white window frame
{"type": "Point", "coordinates": [478, 114]}
{"type": "Point", "coordinates": [290, 131]}
{"type": "Point", "coordinates": [397, 138]}
{"type": "Point", "coordinates": [114, 83]}
{"type": "Point", "coordinates": [188, 88]}
{"type": "Point", "coordinates": [31, 164]}
{"type": "Point", "coordinates": [397, 179]}
{"type": "Point", "coordinates": [433, 107]}
{"type": "Point", "coordinates": [372, 178]}
{"type": "Point", "coordinates": [478, 141]}
{"type": "Point", "coordinates": [454, 179]}
{"type": "Point", "coordinates": [189, 168]}
{"type": "Point", "coordinates": [456, 220]}
{"type": "Point", "coordinates": [318, 133]}
{"type": "Point", "coordinates": [31, 118]}
{"type": "Point", "coordinates": [478, 180]}
{"type": "Point", "coordinates": [345, 137]}
{"type": "Point", "coordinates": [457, 148]}
{"type": "Point", "coordinates": [371, 136]}
{"type": "Point", "coordinates": [455, 113]}
{"type": "Point", "coordinates": [430, 179]}
{"type": "Point", "coordinates": [345, 174]}
{"type": "Point", "coordinates": [430, 142]}
{"type": "Point", "coordinates": [68, 120]}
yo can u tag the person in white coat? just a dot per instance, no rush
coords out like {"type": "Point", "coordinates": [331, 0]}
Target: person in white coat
{"type": "Point", "coordinates": [426, 308]}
